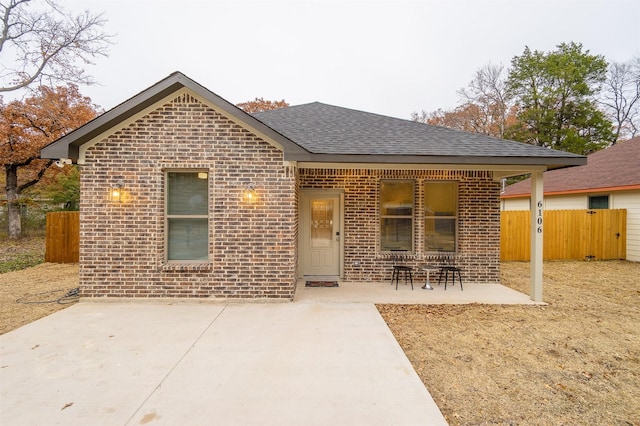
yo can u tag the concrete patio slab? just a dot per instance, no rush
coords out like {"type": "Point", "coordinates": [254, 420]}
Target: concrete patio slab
{"type": "Point", "coordinates": [384, 292]}
{"type": "Point", "coordinates": [247, 364]}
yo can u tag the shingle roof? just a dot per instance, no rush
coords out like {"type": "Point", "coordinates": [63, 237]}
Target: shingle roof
{"type": "Point", "coordinates": [320, 133]}
{"type": "Point", "coordinates": [69, 146]}
{"type": "Point", "coordinates": [617, 167]}
{"type": "Point", "coordinates": [327, 129]}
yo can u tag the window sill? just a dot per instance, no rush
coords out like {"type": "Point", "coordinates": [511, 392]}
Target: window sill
{"type": "Point", "coordinates": [187, 267]}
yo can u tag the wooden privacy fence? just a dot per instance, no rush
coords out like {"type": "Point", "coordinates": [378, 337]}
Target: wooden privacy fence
{"type": "Point", "coordinates": [568, 234]}
{"type": "Point", "coordinates": [63, 237]}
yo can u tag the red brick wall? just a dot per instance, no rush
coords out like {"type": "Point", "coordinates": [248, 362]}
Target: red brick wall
{"type": "Point", "coordinates": [252, 246]}
{"type": "Point", "coordinates": [478, 220]}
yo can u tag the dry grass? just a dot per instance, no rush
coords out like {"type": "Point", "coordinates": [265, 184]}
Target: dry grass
{"type": "Point", "coordinates": [32, 293]}
{"type": "Point", "coordinates": [22, 253]}
{"type": "Point", "coordinates": [575, 361]}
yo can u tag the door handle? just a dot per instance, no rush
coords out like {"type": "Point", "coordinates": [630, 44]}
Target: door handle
{"type": "Point", "coordinates": [337, 236]}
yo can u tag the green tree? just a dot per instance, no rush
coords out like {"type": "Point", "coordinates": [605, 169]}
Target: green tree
{"type": "Point", "coordinates": [556, 93]}
{"type": "Point", "coordinates": [62, 189]}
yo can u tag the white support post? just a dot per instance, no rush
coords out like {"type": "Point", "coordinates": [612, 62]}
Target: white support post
{"type": "Point", "coordinates": [537, 207]}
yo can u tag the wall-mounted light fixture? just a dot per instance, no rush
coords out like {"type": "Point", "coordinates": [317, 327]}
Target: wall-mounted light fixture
{"type": "Point", "coordinates": [249, 193]}
{"type": "Point", "coordinates": [63, 162]}
{"type": "Point", "coordinates": [116, 193]}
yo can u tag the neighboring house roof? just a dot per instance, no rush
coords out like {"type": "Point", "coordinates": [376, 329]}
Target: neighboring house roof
{"type": "Point", "coordinates": [614, 168]}
{"type": "Point", "coordinates": [318, 132]}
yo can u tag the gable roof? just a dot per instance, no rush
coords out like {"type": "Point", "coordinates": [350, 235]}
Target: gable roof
{"type": "Point", "coordinates": [614, 168]}
{"type": "Point", "coordinates": [323, 133]}
{"type": "Point", "coordinates": [69, 145]}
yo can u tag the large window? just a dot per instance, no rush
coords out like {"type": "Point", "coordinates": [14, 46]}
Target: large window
{"type": "Point", "coordinates": [187, 216]}
{"type": "Point", "coordinates": [396, 215]}
{"type": "Point", "coordinates": [440, 215]}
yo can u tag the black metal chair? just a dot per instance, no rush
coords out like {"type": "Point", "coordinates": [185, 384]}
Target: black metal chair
{"type": "Point", "coordinates": [448, 267]}
{"type": "Point", "coordinates": [400, 268]}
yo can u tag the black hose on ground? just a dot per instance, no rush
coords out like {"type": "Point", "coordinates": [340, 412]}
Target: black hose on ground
{"type": "Point", "coordinates": [69, 297]}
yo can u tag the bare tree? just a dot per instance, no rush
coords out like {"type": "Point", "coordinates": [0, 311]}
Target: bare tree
{"type": "Point", "coordinates": [43, 44]}
{"type": "Point", "coordinates": [621, 97]}
{"type": "Point", "coordinates": [488, 92]}
{"type": "Point", "coordinates": [422, 116]}
{"type": "Point", "coordinates": [485, 108]}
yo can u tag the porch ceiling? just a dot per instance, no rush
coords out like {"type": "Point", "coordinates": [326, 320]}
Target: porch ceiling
{"type": "Point", "coordinates": [499, 170]}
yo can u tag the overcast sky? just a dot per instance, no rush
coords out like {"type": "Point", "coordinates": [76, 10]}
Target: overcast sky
{"type": "Point", "coordinates": [388, 57]}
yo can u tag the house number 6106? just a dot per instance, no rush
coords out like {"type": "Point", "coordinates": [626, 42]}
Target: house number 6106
{"type": "Point", "coordinates": [539, 217]}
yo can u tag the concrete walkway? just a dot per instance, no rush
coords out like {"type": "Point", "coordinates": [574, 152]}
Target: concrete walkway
{"type": "Point", "coordinates": [312, 363]}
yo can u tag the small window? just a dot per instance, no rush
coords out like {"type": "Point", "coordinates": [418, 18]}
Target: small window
{"type": "Point", "coordinates": [440, 216]}
{"type": "Point", "coordinates": [599, 202]}
{"type": "Point", "coordinates": [396, 215]}
{"type": "Point", "coordinates": [187, 216]}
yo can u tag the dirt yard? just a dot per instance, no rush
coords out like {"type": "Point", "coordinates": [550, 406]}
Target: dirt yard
{"type": "Point", "coordinates": [574, 361]}
{"type": "Point", "coordinates": [35, 292]}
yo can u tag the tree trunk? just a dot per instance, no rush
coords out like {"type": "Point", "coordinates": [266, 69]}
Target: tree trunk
{"type": "Point", "coordinates": [13, 207]}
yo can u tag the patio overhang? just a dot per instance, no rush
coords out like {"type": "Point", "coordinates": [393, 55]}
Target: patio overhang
{"type": "Point", "coordinates": [437, 160]}
{"type": "Point", "coordinates": [499, 171]}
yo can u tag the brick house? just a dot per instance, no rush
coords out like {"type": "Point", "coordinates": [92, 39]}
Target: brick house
{"type": "Point", "coordinates": [185, 195]}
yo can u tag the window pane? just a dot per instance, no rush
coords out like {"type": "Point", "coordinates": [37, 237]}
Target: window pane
{"type": "Point", "coordinates": [599, 202]}
{"type": "Point", "coordinates": [396, 234]}
{"type": "Point", "coordinates": [440, 198]}
{"type": "Point", "coordinates": [440, 211]}
{"type": "Point", "coordinates": [396, 198]}
{"type": "Point", "coordinates": [321, 223]}
{"type": "Point", "coordinates": [187, 193]}
{"type": "Point", "coordinates": [440, 234]}
{"type": "Point", "coordinates": [188, 239]}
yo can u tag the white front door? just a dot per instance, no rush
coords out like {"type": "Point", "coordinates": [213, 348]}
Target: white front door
{"type": "Point", "coordinates": [320, 245]}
